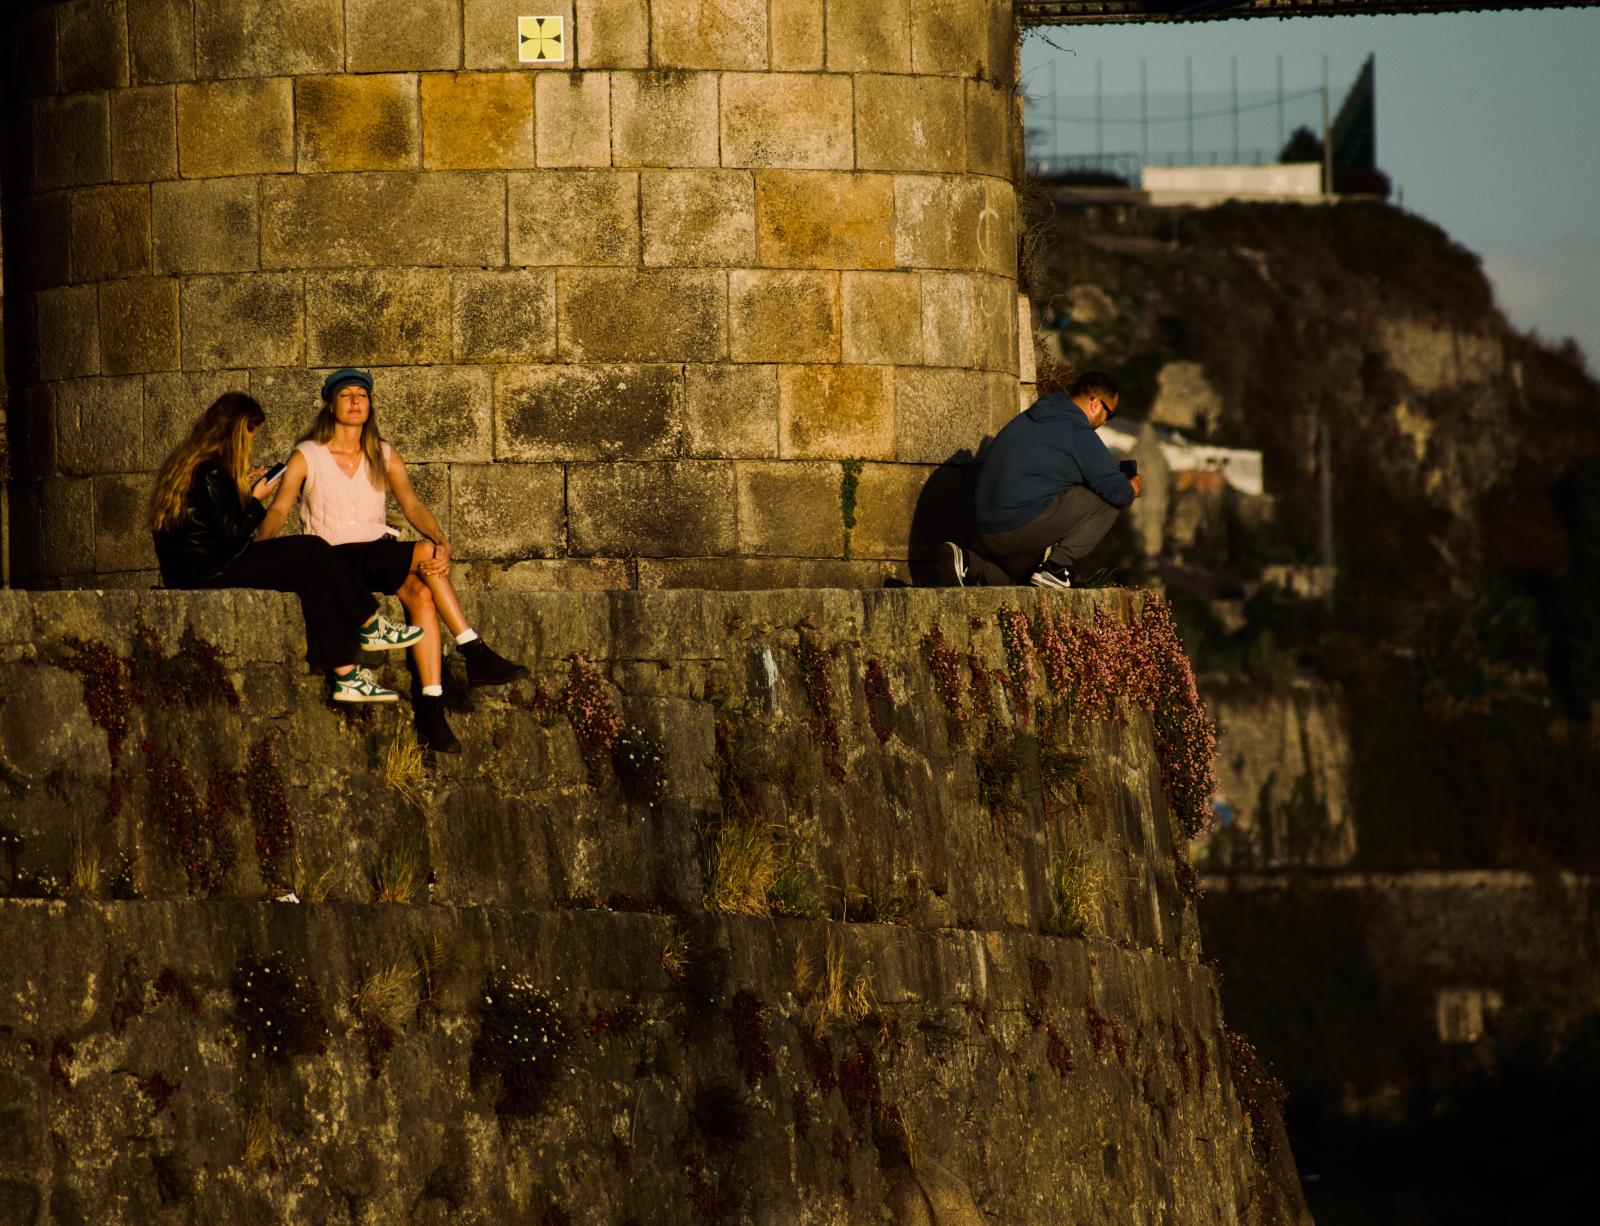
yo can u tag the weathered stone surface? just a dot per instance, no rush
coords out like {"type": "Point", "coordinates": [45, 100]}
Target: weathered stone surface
{"type": "Point", "coordinates": [887, 500]}
{"type": "Point", "coordinates": [789, 509]}
{"type": "Point", "coordinates": [587, 412]}
{"type": "Point", "coordinates": [139, 325]}
{"type": "Point", "coordinates": [378, 317]}
{"type": "Point", "coordinates": [380, 38]}
{"type": "Point", "coordinates": [882, 311]}
{"type": "Point", "coordinates": [572, 118]}
{"type": "Point", "coordinates": [651, 510]}
{"type": "Point", "coordinates": [666, 118]}
{"type": "Point", "coordinates": [434, 414]}
{"type": "Point", "coordinates": [68, 326]}
{"type": "Point", "coordinates": [826, 219]}
{"type": "Point", "coordinates": [65, 527]}
{"type": "Point", "coordinates": [477, 120]}
{"type": "Point", "coordinates": [939, 415]}
{"type": "Point", "coordinates": [991, 128]}
{"type": "Point", "coordinates": [545, 574]}
{"type": "Point", "coordinates": [614, 34]}
{"type": "Point", "coordinates": [910, 123]}
{"type": "Point", "coordinates": [490, 28]}
{"type": "Point", "coordinates": [98, 424]}
{"type": "Point", "coordinates": [161, 40]}
{"type": "Point", "coordinates": [205, 225]}
{"type": "Point", "coordinates": [439, 217]}
{"type": "Point", "coordinates": [235, 127]}
{"type": "Point", "coordinates": [731, 410]}
{"type": "Point", "coordinates": [111, 232]}
{"type": "Point", "coordinates": [995, 302]}
{"type": "Point", "coordinates": [708, 33]}
{"type": "Point", "coordinates": [698, 218]}
{"type": "Point", "coordinates": [949, 319]}
{"type": "Point", "coordinates": [93, 45]}
{"type": "Point", "coordinates": [144, 134]}
{"type": "Point", "coordinates": [783, 316]}
{"type": "Point", "coordinates": [955, 222]}
{"type": "Point", "coordinates": [47, 221]}
{"type": "Point", "coordinates": [71, 140]}
{"type": "Point", "coordinates": [246, 320]}
{"type": "Point", "coordinates": [802, 120]}
{"type": "Point", "coordinates": [367, 122]}
{"type": "Point", "coordinates": [122, 523]}
{"type": "Point", "coordinates": [504, 316]}
{"type": "Point", "coordinates": [269, 37]}
{"type": "Point", "coordinates": [765, 574]}
{"type": "Point", "coordinates": [626, 315]}
{"type": "Point", "coordinates": [869, 37]}
{"type": "Point", "coordinates": [795, 45]}
{"type": "Point", "coordinates": [836, 412]}
{"type": "Point", "coordinates": [506, 511]}
{"type": "Point", "coordinates": [173, 400]}
{"type": "Point", "coordinates": [942, 37]}
{"type": "Point", "coordinates": [574, 217]}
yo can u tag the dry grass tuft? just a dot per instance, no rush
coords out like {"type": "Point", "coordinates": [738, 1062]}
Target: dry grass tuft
{"type": "Point", "coordinates": [260, 1137]}
{"type": "Point", "coordinates": [396, 877]}
{"type": "Point", "coordinates": [675, 955]}
{"type": "Point", "coordinates": [311, 884]}
{"type": "Point", "coordinates": [1076, 887]}
{"type": "Point", "coordinates": [404, 771]}
{"type": "Point", "coordinates": [744, 868]}
{"type": "Point", "coordinates": [436, 958]}
{"type": "Point", "coordinates": [846, 988]}
{"type": "Point", "coordinates": [805, 971]}
{"type": "Point", "coordinates": [83, 876]}
{"type": "Point", "coordinates": [387, 998]}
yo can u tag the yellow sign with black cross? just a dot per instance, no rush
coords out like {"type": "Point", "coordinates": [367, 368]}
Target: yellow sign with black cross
{"type": "Point", "coordinates": [541, 40]}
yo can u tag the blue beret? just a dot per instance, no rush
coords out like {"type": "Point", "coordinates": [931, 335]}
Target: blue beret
{"type": "Point", "coordinates": [342, 376]}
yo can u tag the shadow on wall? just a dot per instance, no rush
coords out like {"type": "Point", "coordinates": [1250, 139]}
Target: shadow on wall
{"type": "Point", "coordinates": [943, 513]}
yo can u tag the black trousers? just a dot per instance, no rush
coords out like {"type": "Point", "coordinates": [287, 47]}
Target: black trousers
{"type": "Point", "coordinates": [334, 602]}
{"type": "Point", "coordinates": [1072, 525]}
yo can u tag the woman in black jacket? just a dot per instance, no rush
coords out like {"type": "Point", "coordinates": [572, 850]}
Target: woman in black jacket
{"type": "Point", "coordinates": [204, 513]}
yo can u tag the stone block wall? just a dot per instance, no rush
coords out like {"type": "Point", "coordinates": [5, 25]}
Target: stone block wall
{"type": "Point", "coordinates": [725, 289]}
{"type": "Point", "coordinates": [275, 963]}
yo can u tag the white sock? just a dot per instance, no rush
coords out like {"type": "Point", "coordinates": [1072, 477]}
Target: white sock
{"type": "Point", "coordinates": [466, 636]}
{"type": "Point", "coordinates": [433, 691]}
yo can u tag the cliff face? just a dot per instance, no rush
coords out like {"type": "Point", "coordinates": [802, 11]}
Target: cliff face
{"type": "Point", "coordinates": [800, 907]}
{"type": "Point", "coordinates": [1457, 635]}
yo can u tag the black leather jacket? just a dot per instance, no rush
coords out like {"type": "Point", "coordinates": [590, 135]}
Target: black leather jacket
{"type": "Point", "coordinates": [216, 527]}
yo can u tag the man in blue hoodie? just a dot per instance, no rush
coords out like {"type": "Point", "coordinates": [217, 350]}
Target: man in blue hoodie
{"type": "Point", "coordinates": [1047, 483]}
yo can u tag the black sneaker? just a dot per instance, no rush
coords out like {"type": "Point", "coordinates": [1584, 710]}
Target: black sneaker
{"type": "Point", "coordinates": [486, 666]}
{"type": "Point", "coordinates": [952, 565]}
{"type": "Point", "coordinates": [433, 730]}
{"type": "Point", "coordinates": [1051, 575]}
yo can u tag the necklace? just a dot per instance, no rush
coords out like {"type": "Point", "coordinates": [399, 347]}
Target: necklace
{"type": "Point", "coordinates": [348, 463]}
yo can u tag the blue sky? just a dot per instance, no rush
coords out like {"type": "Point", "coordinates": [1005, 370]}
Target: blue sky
{"type": "Point", "coordinates": [1488, 123]}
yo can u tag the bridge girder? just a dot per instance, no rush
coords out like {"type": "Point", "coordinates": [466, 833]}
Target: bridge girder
{"type": "Point", "coordinates": [1109, 12]}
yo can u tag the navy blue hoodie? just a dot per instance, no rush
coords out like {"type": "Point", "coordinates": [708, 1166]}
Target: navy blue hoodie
{"type": "Point", "coordinates": [1039, 453]}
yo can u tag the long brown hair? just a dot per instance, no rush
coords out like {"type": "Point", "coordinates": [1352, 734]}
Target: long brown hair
{"type": "Point", "coordinates": [322, 428]}
{"type": "Point", "coordinates": [222, 433]}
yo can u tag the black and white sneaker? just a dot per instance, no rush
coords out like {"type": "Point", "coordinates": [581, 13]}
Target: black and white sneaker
{"type": "Point", "coordinates": [952, 565]}
{"type": "Point", "coordinates": [1050, 575]}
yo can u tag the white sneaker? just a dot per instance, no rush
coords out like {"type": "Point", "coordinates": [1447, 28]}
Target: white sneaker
{"type": "Point", "coordinates": [389, 636]}
{"type": "Point", "coordinates": [359, 685]}
{"type": "Point", "coordinates": [1052, 576]}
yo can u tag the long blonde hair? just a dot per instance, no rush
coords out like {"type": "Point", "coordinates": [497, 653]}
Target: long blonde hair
{"type": "Point", "coordinates": [222, 433]}
{"type": "Point", "coordinates": [323, 426]}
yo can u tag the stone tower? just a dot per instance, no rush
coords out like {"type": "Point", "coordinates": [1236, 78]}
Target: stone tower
{"type": "Point", "coordinates": [656, 292]}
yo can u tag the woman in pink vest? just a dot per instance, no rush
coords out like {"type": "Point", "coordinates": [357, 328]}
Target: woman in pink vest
{"type": "Point", "coordinates": [346, 472]}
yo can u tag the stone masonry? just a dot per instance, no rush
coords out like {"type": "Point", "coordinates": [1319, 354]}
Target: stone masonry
{"type": "Point", "coordinates": [725, 295]}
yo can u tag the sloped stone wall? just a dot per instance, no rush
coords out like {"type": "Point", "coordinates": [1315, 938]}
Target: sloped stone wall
{"type": "Point", "coordinates": [708, 301]}
{"type": "Point", "coordinates": [965, 953]}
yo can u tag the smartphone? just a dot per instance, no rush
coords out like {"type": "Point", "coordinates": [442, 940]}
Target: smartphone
{"type": "Point", "coordinates": [1130, 468]}
{"type": "Point", "coordinates": [273, 473]}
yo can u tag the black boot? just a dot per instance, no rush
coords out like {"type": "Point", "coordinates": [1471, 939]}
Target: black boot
{"type": "Point", "coordinates": [432, 728]}
{"type": "Point", "coordinates": [486, 666]}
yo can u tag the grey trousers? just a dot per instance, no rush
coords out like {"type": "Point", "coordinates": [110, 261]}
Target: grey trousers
{"type": "Point", "coordinates": [1074, 523]}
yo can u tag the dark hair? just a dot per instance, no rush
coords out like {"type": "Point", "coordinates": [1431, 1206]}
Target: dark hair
{"type": "Point", "coordinates": [222, 432]}
{"type": "Point", "coordinates": [1094, 383]}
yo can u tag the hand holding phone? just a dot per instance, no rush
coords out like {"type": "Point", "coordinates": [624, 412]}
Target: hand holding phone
{"type": "Point", "coordinates": [263, 487]}
{"type": "Point", "coordinates": [1130, 468]}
